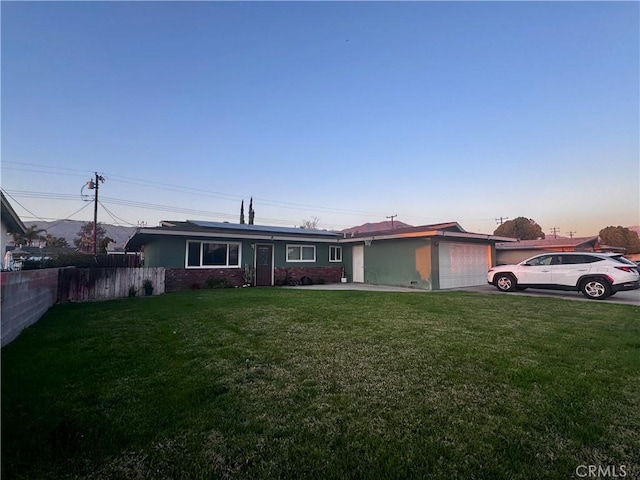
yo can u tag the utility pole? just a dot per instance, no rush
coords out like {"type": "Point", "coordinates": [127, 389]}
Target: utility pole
{"type": "Point", "coordinates": [571, 234]}
{"type": "Point", "coordinates": [501, 220]}
{"type": "Point", "coordinates": [392, 217]}
{"type": "Point", "coordinates": [91, 185]}
{"type": "Point", "coordinates": [555, 231]}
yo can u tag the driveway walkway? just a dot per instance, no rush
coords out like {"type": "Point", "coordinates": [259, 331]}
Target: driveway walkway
{"type": "Point", "coordinates": [627, 298]}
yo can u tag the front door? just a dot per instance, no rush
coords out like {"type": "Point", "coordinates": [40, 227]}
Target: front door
{"type": "Point", "coordinates": [358, 263]}
{"type": "Point", "coordinates": [536, 272]}
{"type": "Point", "coordinates": [264, 265]}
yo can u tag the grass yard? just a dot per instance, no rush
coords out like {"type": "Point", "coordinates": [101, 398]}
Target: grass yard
{"type": "Point", "coordinates": [294, 384]}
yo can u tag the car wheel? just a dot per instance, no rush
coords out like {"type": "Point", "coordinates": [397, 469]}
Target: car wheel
{"type": "Point", "coordinates": [505, 282]}
{"type": "Point", "coordinates": [595, 288]}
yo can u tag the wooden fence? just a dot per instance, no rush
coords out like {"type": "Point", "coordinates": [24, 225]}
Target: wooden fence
{"type": "Point", "coordinates": [88, 284]}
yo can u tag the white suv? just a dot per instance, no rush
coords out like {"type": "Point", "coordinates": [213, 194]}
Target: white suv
{"type": "Point", "coordinates": [596, 275]}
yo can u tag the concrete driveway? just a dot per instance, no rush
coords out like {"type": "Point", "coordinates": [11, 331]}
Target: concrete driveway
{"type": "Point", "coordinates": [631, 297]}
{"type": "Point", "coordinates": [628, 298]}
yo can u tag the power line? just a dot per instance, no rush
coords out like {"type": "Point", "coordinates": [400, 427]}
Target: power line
{"type": "Point", "coordinates": [210, 194]}
{"type": "Point", "coordinates": [114, 216]}
{"type": "Point", "coordinates": [193, 191]}
{"type": "Point", "coordinates": [25, 208]}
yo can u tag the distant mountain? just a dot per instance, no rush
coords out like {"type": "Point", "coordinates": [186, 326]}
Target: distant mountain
{"type": "Point", "coordinates": [68, 229]}
{"type": "Point", "coordinates": [376, 227]}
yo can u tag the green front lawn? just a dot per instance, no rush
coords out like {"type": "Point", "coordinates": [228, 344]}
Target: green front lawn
{"type": "Point", "coordinates": [279, 383]}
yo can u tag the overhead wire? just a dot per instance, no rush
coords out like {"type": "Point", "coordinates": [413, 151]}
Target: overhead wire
{"type": "Point", "coordinates": [190, 191]}
{"type": "Point", "coordinates": [196, 191]}
{"type": "Point", "coordinates": [25, 208]}
{"type": "Point", "coordinates": [114, 216]}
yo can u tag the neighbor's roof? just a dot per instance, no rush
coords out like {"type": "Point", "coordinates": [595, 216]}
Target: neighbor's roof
{"type": "Point", "coordinates": [448, 229]}
{"type": "Point", "coordinates": [198, 228]}
{"type": "Point", "coordinates": [549, 243]}
{"type": "Point", "coordinates": [10, 218]}
{"type": "Point", "coordinates": [448, 226]}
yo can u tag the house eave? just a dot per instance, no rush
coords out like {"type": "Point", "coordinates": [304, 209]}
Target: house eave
{"type": "Point", "coordinates": [139, 237]}
{"type": "Point", "coordinates": [10, 217]}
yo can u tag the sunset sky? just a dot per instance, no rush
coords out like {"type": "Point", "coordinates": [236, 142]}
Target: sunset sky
{"type": "Point", "coordinates": [349, 112]}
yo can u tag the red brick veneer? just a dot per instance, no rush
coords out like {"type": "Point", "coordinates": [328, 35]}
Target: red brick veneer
{"type": "Point", "coordinates": [185, 279]}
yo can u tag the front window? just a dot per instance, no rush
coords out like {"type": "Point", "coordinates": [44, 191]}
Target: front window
{"type": "Point", "coordinates": [335, 254]}
{"type": "Point", "coordinates": [301, 253]}
{"type": "Point", "coordinates": [212, 254]}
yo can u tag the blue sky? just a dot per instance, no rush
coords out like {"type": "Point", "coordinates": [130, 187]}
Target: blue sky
{"type": "Point", "coordinates": [348, 112]}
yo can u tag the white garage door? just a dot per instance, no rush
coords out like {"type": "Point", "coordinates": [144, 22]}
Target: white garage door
{"type": "Point", "coordinates": [463, 264]}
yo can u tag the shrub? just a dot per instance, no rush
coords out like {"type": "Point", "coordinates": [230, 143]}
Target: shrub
{"type": "Point", "coordinates": [215, 282]}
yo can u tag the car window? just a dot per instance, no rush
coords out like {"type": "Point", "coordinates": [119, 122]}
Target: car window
{"type": "Point", "coordinates": [578, 259]}
{"type": "Point", "coordinates": [572, 260]}
{"type": "Point", "coordinates": [621, 259]}
{"type": "Point", "coordinates": [592, 259]}
{"type": "Point", "coordinates": [543, 260]}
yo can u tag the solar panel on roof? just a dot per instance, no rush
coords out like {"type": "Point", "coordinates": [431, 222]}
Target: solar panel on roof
{"type": "Point", "coordinates": [261, 228]}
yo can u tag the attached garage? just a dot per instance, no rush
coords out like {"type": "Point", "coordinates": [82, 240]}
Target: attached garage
{"type": "Point", "coordinates": [430, 257]}
{"type": "Point", "coordinates": [463, 264]}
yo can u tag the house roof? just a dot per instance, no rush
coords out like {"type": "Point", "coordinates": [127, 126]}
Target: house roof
{"type": "Point", "coordinates": [449, 229]}
{"type": "Point", "coordinates": [10, 218]}
{"type": "Point", "coordinates": [202, 229]}
{"type": "Point", "coordinates": [546, 243]}
{"type": "Point", "coordinates": [448, 226]}
{"type": "Point", "coordinates": [198, 228]}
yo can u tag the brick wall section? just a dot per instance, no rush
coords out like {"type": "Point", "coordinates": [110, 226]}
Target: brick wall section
{"type": "Point", "coordinates": [317, 274]}
{"type": "Point", "coordinates": [26, 296]}
{"type": "Point", "coordinates": [177, 279]}
{"type": "Point", "coordinates": [186, 279]}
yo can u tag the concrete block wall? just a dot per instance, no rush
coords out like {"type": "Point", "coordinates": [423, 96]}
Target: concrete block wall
{"type": "Point", "coordinates": [26, 296]}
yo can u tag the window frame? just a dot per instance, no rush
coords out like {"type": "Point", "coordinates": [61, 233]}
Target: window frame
{"type": "Point", "coordinates": [300, 246]}
{"type": "Point", "coordinates": [338, 250]}
{"type": "Point", "coordinates": [214, 242]}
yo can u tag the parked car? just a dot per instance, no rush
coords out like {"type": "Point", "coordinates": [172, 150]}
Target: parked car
{"type": "Point", "coordinates": [596, 275]}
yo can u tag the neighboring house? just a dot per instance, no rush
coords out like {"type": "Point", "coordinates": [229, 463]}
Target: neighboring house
{"type": "Point", "coordinates": [11, 223]}
{"type": "Point", "coordinates": [516, 252]}
{"type": "Point", "coordinates": [430, 257]}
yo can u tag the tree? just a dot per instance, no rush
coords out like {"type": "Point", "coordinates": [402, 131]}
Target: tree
{"type": "Point", "coordinates": [55, 241]}
{"type": "Point", "coordinates": [311, 224]}
{"type": "Point", "coordinates": [242, 213]}
{"type": "Point", "coordinates": [84, 238]}
{"type": "Point", "coordinates": [104, 244]}
{"type": "Point", "coordinates": [252, 214]}
{"type": "Point", "coordinates": [620, 237]}
{"type": "Point", "coordinates": [30, 235]}
{"type": "Point", "coordinates": [521, 228]}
